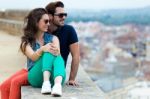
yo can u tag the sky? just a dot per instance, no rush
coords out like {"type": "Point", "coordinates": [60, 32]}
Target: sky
{"type": "Point", "coordinates": [76, 4]}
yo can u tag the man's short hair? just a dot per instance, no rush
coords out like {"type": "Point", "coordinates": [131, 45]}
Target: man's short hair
{"type": "Point", "coordinates": [51, 7]}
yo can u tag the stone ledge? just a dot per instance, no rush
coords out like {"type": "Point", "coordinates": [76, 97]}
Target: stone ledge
{"type": "Point", "coordinates": [86, 90]}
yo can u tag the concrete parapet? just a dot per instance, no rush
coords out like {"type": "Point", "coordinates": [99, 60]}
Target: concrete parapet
{"type": "Point", "coordinates": [86, 90]}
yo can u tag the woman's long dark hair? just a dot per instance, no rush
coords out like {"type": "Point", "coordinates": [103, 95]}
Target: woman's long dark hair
{"type": "Point", "coordinates": [31, 27]}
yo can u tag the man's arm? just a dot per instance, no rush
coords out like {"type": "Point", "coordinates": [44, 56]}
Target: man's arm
{"type": "Point", "coordinates": [75, 53]}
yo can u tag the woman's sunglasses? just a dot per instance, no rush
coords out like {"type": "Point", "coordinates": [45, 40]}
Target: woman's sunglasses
{"type": "Point", "coordinates": [61, 15]}
{"type": "Point", "coordinates": [46, 21]}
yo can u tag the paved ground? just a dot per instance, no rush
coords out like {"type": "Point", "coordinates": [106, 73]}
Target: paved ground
{"type": "Point", "coordinates": [11, 59]}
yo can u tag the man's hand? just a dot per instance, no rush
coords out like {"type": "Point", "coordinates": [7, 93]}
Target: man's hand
{"type": "Point", "coordinates": [74, 49]}
{"type": "Point", "coordinates": [72, 83]}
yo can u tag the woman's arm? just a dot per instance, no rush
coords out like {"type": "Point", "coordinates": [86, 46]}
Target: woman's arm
{"type": "Point", "coordinates": [33, 55]}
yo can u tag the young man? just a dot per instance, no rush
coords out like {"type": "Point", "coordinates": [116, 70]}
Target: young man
{"type": "Point", "coordinates": [67, 37]}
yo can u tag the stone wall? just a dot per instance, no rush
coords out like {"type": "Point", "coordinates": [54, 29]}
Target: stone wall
{"type": "Point", "coordinates": [11, 26]}
{"type": "Point", "coordinates": [14, 14]}
{"type": "Point", "coordinates": [11, 21]}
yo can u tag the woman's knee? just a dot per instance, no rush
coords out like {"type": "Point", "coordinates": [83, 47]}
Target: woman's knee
{"type": "Point", "coordinates": [47, 54]}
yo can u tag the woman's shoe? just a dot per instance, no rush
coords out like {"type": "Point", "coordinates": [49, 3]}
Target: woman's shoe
{"type": "Point", "coordinates": [46, 88]}
{"type": "Point", "coordinates": [57, 90]}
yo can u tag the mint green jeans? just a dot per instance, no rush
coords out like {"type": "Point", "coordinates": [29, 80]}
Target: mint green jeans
{"type": "Point", "coordinates": [47, 62]}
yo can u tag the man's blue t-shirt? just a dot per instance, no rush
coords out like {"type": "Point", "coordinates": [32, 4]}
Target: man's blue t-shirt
{"type": "Point", "coordinates": [67, 36]}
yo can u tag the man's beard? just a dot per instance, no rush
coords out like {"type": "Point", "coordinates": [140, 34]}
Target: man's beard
{"type": "Point", "coordinates": [58, 25]}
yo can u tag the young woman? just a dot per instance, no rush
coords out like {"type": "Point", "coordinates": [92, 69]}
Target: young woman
{"type": "Point", "coordinates": [44, 68]}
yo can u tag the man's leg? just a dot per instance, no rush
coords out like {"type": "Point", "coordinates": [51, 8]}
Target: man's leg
{"type": "Point", "coordinates": [5, 86]}
{"type": "Point", "coordinates": [16, 83]}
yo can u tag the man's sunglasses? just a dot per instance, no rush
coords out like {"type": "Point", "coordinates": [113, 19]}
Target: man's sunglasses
{"type": "Point", "coordinates": [61, 15]}
{"type": "Point", "coordinates": [46, 21]}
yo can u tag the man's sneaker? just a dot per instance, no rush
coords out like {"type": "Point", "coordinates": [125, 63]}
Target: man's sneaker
{"type": "Point", "coordinates": [46, 87]}
{"type": "Point", "coordinates": [57, 90]}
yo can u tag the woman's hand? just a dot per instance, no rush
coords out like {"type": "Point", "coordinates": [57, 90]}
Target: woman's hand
{"type": "Point", "coordinates": [46, 48]}
{"type": "Point", "coordinates": [54, 49]}
{"type": "Point", "coordinates": [50, 47]}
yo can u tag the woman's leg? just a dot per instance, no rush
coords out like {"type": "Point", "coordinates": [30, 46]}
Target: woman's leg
{"type": "Point", "coordinates": [35, 77]}
{"type": "Point", "coordinates": [59, 76]}
{"type": "Point", "coordinates": [45, 63]}
{"type": "Point", "coordinates": [5, 86]}
{"type": "Point", "coordinates": [16, 83]}
{"type": "Point", "coordinates": [59, 70]}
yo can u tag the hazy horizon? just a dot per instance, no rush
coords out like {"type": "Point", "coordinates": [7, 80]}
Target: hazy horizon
{"type": "Point", "coordinates": [77, 4]}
